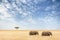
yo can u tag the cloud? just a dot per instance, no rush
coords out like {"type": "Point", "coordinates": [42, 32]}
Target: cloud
{"type": "Point", "coordinates": [3, 13]}
{"type": "Point", "coordinates": [48, 8]}
{"type": "Point", "coordinates": [7, 25]}
{"type": "Point", "coordinates": [6, 20]}
{"type": "Point", "coordinates": [24, 1]}
{"type": "Point", "coordinates": [21, 15]}
{"type": "Point", "coordinates": [53, 0]}
{"type": "Point", "coordinates": [31, 21]}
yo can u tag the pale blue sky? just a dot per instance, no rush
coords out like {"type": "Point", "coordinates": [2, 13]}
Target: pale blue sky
{"type": "Point", "coordinates": [30, 14]}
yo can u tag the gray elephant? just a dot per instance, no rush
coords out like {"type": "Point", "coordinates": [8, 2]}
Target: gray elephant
{"type": "Point", "coordinates": [46, 34]}
{"type": "Point", "coordinates": [33, 33]}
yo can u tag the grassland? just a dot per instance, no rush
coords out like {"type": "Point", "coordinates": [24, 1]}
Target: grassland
{"type": "Point", "coordinates": [24, 35]}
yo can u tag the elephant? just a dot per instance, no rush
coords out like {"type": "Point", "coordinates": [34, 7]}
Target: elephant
{"type": "Point", "coordinates": [33, 33]}
{"type": "Point", "coordinates": [46, 34]}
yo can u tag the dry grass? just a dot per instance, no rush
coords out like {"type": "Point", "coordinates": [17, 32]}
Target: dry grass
{"type": "Point", "coordinates": [24, 35]}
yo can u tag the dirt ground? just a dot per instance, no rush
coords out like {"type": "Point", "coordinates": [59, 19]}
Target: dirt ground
{"type": "Point", "coordinates": [24, 35]}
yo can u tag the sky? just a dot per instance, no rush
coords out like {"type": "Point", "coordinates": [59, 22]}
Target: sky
{"type": "Point", "coordinates": [30, 14]}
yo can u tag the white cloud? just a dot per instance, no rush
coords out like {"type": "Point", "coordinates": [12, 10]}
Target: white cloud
{"type": "Point", "coordinates": [24, 1]}
{"type": "Point", "coordinates": [4, 12]}
{"type": "Point", "coordinates": [50, 22]}
{"type": "Point", "coordinates": [53, 0]}
{"type": "Point", "coordinates": [6, 20]}
{"type": "Point", "coordinates": [7, 25]}
{"type": "Point", "coordinates": [7, 5]}
{"type": "Point", "coordinates": [48, 8]}
{"type": "Point", "coordinates": [24, 14]}
{"type": "Point", "coordinates": [39, 1]}
{"type": "Point", "coordinates": [31, 21]}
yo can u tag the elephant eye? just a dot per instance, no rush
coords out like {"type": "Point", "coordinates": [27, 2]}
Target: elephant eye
{"type": "Point", "coordinates": [46, 34]}
{"type": "Point", "coordinates": [33, 33]}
